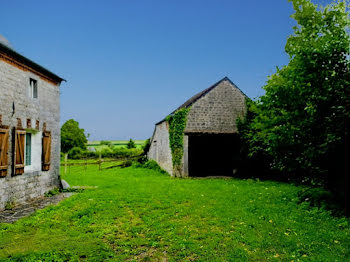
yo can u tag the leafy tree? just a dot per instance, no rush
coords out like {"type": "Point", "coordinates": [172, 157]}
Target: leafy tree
{"type": "Point", "coordinates": [72, 136]}
{"type": "Point", "coordinates": [302, 123]}
{"type": "Point", "coordinates": [106, 143]}
{"type": "Point", "coordinates": [131, 144]}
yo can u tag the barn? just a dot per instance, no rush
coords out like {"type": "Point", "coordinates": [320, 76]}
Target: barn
{"type": "Point", "coordinates": [29, 128]}
{"type": "Point", "coordinates": [210, 144]}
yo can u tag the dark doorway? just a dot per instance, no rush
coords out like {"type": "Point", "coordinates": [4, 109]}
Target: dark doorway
{"type": "Point", "coordinates": [213, 155]}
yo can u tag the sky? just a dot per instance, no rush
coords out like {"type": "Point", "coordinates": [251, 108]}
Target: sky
{"type": "Point", "coordinates": [130, 63]}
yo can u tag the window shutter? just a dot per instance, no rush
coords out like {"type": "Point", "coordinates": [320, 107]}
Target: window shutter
{"type": "Point", "coordinates": [46, 155]}
{"type": "Point", "coordinates": [4, 143]}
{"type": "Point", "coordinates": [18, 151]}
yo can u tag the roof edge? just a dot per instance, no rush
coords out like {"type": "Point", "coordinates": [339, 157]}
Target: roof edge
{"type": "Point", "coordinates": [29, 63]}
{"type": "Point", "coordinates": [199, 95]}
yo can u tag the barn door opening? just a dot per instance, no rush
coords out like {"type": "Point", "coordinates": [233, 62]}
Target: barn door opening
{"type": "Point", "coordinates": [213, 154]}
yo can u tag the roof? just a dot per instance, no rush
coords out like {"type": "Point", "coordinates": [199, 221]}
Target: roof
{"type": "Point", "coordinates": [29, 63]}
{"type": "Point", "coordinates": [199, 95]}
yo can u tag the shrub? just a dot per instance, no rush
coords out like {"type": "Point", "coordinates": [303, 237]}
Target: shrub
{"type": "Point", "coordinates": [126, 163]}
{"type": "Point", "coordinates": [75, 153]}
{"type": "Point", "coordinates": [151, 164]}
{"type": "Point", "coordinates": [52, 192]}
{"type": "Point", "coordinates": [124, 152]}
{"type": "Point", "coordinates": [131, 144]}
{"type": "Point", "coordinates": [321, 198]}
{"type": "Point", "coordinates": [106, 143]}
{"type": "Point", "coordinates": [146, 145]}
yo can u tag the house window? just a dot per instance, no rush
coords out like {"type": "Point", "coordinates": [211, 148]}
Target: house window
{"type": "Point", "coordinates": [33, 88]}
{"type": "Point", "coordinates": [28, 152]}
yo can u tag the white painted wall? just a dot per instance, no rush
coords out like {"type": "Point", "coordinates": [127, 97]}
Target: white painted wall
{"type": "Point", "coordinates": [36, 153]}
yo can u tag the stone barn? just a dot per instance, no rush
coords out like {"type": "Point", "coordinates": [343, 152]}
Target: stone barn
{"type": "Point", "coordinates": [210, 144]}
{"type": "Point", "coordinates": [29, 128]}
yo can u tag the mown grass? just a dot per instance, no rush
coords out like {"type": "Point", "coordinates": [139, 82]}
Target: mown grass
{"type": "Point", "coordinates": [139, 214]}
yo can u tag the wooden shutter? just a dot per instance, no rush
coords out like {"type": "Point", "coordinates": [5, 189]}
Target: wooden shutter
{"type": "Point", "coordinates": [18, 151]}
{"type": "Point", "coordinates": [4, 144]}
{"type": "Point", "coordinates": [46, 155]}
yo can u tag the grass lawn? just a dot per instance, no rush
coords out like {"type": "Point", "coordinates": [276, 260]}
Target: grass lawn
{"type": "Point", "coordinates": [139, 214]}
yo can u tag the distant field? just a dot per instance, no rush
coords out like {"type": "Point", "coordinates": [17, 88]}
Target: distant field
{"type": "Point", "coordinates": [115, 143]}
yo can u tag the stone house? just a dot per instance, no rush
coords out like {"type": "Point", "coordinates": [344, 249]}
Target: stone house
{"type": "Point", "coordinates": [210, 143]}
{"type": "Point", "coordinates": [29, 128]}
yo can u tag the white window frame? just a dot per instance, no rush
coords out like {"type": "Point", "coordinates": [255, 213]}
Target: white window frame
{"type": "Point", "coordinates": [25, 151]}
{"type": "Point", "coordinates": [33, 88]}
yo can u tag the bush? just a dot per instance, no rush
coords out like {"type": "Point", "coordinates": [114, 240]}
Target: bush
{"type": "Point", "coordinates": [131, 144]}
{"type": "Point", "coordinates": [75, 153]}
{"type": "Point", "coordinates": [151, 164]}
{"type": "Point", "coordinates": [106, 152]}
{"type": "Point", "coordinates": [126, 163]}
{"type": "Point", "coordinates": [52, 192]}
{"type": "Point", "coordinates": [106, 143]}
{"type": "Point", "coordinates": [146, 146]}
{"type": "Point", "coordinates": [124, 152]}
{"type": "Point", "coordinates": [321, 198]}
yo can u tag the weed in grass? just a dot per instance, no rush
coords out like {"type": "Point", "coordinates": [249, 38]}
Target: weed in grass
{"type": "Point", "coordinates": [52, 192]}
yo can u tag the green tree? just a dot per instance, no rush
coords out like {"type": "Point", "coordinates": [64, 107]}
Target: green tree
{"type": "Point", "coordinates": [72, 136]}
{"type": "Point", "coordinates": [302, 122]}
{"type": "Point", "coordinates": [131, 144]}
{"type": "Point", "coordinates": [106, 143]}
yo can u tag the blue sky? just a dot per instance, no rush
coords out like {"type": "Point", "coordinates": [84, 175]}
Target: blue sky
{"type": "Point", "coordinates": [130, 63]}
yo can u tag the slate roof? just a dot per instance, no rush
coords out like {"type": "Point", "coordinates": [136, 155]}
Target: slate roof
{"type": "Point", "coordinates": [22, 59]}
{"type": "Point", "coordinates": [199, 95]}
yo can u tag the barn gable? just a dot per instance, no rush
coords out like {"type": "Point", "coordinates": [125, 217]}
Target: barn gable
{"type": "Point", "coordinates": [210, 138]}
{"type": "Point", "coordinates": [217, 109]}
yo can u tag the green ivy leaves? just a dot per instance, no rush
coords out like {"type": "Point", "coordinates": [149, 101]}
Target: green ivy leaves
{"type": "Point", "coordinates": [177, 124]}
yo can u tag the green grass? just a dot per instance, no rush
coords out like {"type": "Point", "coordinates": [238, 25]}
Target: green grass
{"type": "Point", "coordinates": [138, 214]}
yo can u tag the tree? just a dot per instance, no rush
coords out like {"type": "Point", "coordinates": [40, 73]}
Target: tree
{"type": "Point", "coordinates": [303, 121]}
{"type": "Point", "coordinates": [131, 144]}
{"type": "Point", "coordinates": [106, 143]}
{"type": "Point", "coordinates": [72, 136]}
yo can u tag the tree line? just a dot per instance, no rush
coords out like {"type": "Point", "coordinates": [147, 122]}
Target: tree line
{"type": "Point", "coordinates": [299, 129]}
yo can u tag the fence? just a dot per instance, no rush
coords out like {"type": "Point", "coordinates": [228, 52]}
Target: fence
{"type": "Point", "coordinates": [119, 162]}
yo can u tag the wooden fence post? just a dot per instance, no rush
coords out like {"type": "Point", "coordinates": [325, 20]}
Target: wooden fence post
{"type": "Point", "coordinates": [65, 162]}
{"type": "Point", "coordinates": [100, 162]}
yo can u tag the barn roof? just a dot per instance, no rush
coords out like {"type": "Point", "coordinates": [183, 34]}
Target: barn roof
{"type": "Point", "coordinates": [199, 95]}
{"type": "Point", "coordinates": [29, 63]}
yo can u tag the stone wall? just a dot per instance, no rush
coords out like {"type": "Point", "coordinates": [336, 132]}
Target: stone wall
{"type": "Point", "coordinates": [217, 111]}
{"type": "Point", "coordinates": [16, 103]}
{"type": "Point", "coordinates": [160, 147]}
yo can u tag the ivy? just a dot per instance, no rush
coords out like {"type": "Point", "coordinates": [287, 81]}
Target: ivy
{"type": "Point", "coordinates": [177, 124]}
